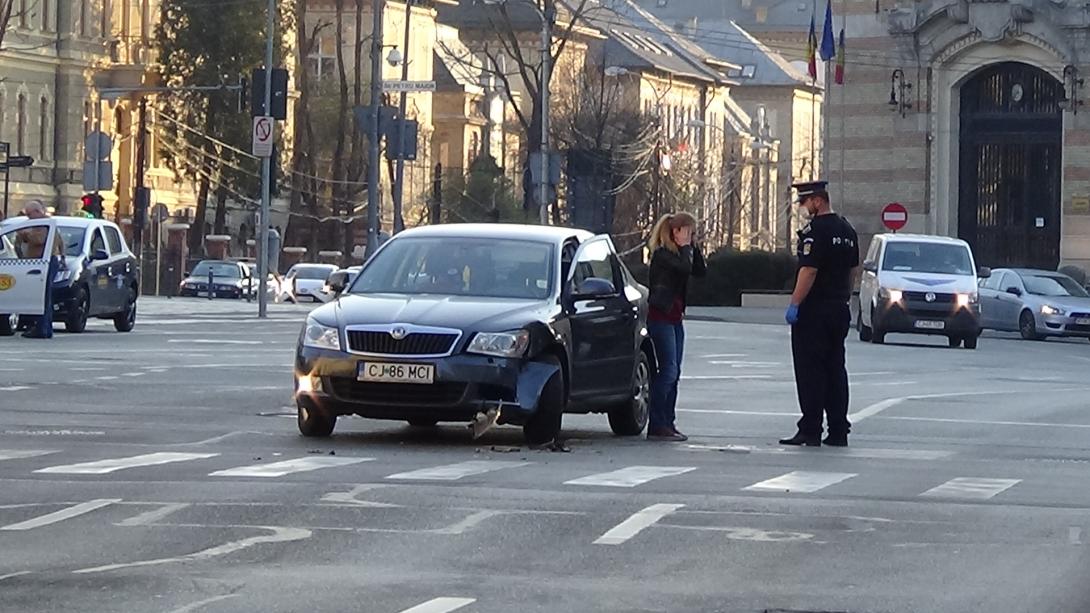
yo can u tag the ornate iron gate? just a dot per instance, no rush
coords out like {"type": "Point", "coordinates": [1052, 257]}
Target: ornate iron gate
{"type": "Point", "coordinates": [1009, 196]}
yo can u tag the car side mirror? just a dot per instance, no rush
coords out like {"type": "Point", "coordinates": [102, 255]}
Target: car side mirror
{"type": "Point", "coordinates": [100, 254]}
{"type": "Point", "coordinates": [1014, 291]}
{"type": "Point", "coordinates": [337, 286]}
{"type": "Point", "coordinates": [594, 287]}
{"type": "Point", "coordinates": [985, 272]}
{"type": "Point", "coordinates": [870, 266]}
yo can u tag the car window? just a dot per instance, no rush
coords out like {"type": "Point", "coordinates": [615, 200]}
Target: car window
{"type": "Point", "coordinates": [596, 260]}
{"type": "Point", "coordinates": [484, 267]}
{"type": "Point", "coordinates": [927, 258]}
{"type": "Point", "coordinates": [991, 282]}
{"type": "Point", "coordinates": [97, 242]}
{"type": "Point", "coordinates": [73, 239]}
{"type": "Point", "coordinates": [1053, 285]}
{"type": "Point", "coordinates": [314, 273]}
{"type": "Point", "coordinates": [27, 243]}
{"type": "Point", "coordinates": [113, 238]}
{"type": "Point", "coordinates": [218, 269]}
{"type": "Point", "coordinates": [872, 253]}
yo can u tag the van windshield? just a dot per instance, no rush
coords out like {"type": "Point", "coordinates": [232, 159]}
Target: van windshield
{"type": "Point", "coordinates": [927, 258]}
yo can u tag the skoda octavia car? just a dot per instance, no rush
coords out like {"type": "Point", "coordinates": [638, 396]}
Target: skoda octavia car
{"type": "Point", "coordinates": [494, 324]}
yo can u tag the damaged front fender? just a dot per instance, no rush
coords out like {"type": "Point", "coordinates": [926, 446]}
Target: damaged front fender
{"type": "Point", "coordinates": [532, 380]}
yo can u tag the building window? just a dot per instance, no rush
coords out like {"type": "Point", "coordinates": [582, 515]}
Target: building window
{"type": "Point", "coordinates": [47, 26]}
{"type": "Point", "coordinates": [323, 60]}
{"type": "Point", "coordinates": [24, 13]}
{"type": "Point", "coordinates": [20, 125]}
{"type": "Point", "coordinates": [43, 129]}
{"type": "Point", "coordinates": [106, 18]}
{"type": "Point", "coordinates": [83, 18]}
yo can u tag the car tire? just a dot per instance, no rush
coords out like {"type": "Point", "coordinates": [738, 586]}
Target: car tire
{"type": "Point", "coordinates": [543, 426]}
{"type": "Point", "coordinates": [865, 333]}
{"type": "Point", "coordinates": [630, 418]}
{"type": "Point", "coordinates": [423, 423]}
{"type": "Point", "coordinates": [1027, 326]}
{"type": "Point", "coordinates": [8, 324]}
{"type": "Point", "coordinates": [125, 321]}
{"type": "Point", "coordinates": [955, 342]}
{"type": "Point", "coordinates": [971, 342]}
{"type": "Point", "coordinates": [76, 319]}
{"type": "Point", "coordinates": [313, 421]}
{"type": "Point", "coordinates": [877, 335]}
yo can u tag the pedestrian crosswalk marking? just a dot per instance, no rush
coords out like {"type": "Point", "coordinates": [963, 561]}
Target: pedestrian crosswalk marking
{"type": "Point", "coordinates": [453, 472]}
{"type": "Point", "coordinates": [971, 488]}
{"type": "Point", "coordinates": [631, 476]}
{"type": "Point", "coordinates": [279, 469]}
{"type": "Point", "coordinates": [19, 454]}
{"type": "Point", "coordinates": [637, 523]}
{"type": "Point", "coordinates": [800, 481]}
{"type": "Point", "coordinates": [872, 453]}
{"type": "Point", "coordinates": [441, 605]}
{"type": "Point", "coordinates": [63, 514]}
{"type": "Point", "coordinates": [102, 467]}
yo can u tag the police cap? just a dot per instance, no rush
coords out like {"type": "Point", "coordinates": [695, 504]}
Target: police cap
{"type": "Point", "coordinates": [811, 188]}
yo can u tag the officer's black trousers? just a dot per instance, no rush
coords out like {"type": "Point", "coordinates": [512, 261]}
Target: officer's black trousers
{"type": "Point", "coordinates": [817, 346]}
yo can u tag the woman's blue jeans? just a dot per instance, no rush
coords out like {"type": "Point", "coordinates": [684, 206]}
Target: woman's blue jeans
{"type": "Point", "coordinates": [669, 341]}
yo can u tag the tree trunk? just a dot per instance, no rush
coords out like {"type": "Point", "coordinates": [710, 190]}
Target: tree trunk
{"type": "Point", "coordinates": [340, 150]}
{"type": "Point", "coordinates": [355, 163]}
{"type": "Point", "coordinates": [196, 232]}
{"type": "Point", "coordinates": [6, 9]}
{"type": "Point", "coordinates": [220, 226]}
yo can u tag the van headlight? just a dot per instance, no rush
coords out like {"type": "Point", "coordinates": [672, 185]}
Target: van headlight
{"type": "Point", "coordinates": [320, 336]}
{"type": "Point", "coordinates": [1051, 310]}
{"type": "Point", "coordinates": [892, 295]}
{"type": "Point", "coordinates": [501, 344]}
{"type": "Point", "coordinates": [965, 300]}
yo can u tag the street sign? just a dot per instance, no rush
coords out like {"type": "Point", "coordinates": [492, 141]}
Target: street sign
{"type": "Point", "coordinates": [5, 148]}
{"type": "Point", "coordinates": [408, 86]}
{"type": "Point", "coordinates": [895, 216]}
{"type": "Point", "coordinates": [98, 146]}
{"type": "Point", "coordinates": [105, 176]}
{"type": "Point", "coordinates": [263, 136]}
{"type": "Point", "coordinates": [17, 161]}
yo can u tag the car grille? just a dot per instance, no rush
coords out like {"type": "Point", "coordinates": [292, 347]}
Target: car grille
{"type": "Point", "coordinates": [394, 394]}
{"type": "Point", "coordinates": [417, 343]}
{"type": "Point", "coordinates": [922, 297]}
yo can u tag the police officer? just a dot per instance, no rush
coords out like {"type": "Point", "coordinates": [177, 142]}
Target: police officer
{"type": "Point", "coordinates": [819, 315]}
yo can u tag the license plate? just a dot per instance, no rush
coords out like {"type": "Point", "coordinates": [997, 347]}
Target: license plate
{"type": "Point", "coordinates": [385, 372]}
{"type": "Point", "coordinates": [931, 325]}
{"type": "Point", "coordinates": [1083, 321]}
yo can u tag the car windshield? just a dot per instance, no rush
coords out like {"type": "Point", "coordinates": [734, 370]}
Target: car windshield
{"type": "Point", "coordinates": [316, 273]}
{"type": "Point", "coordinates": [1053, 285]}
{"type": "Point", "coordinates": [927, 258]}
{"type": "Point", "coordinates": [73, 240]}
{"type": "Point", "coordinates": [487, 268]}
{"type": "Point", "coordinates": [218, 269]}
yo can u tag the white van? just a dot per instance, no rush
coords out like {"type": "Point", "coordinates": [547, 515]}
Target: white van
{"type": "Point", "coordinates": [917, 284]}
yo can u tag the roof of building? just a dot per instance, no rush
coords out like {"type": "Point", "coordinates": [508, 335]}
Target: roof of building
{"type": "Point", "coordinates": [755, 15]}
{"type": "Point", "coordinates": [456, 68]}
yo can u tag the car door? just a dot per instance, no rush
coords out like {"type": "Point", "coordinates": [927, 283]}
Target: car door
{"type": "Point", "coordinates": [868, 284]}
{"type": "Point", "coordinates": [100, 284]}
{"type": "Point", "coordinates": [24, 266]}
{"type": "Point", "coordinates": [122, 268]}
{"type": "Point", "coordinates": [1010, 304]}
{"type": "Point", "coordinates": [989, 301]}
{"type": "Point", "coordinates": [603, 324]}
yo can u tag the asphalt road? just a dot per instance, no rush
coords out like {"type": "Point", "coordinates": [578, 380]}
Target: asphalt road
{"type": "Point", "coordinates": [162, 471]}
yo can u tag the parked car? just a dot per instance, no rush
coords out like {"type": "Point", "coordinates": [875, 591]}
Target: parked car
{"type": "Point", "coordinates": [516, 324]}
{"type": "Point", "coordinates": [229, 279]}
{"type": "Point", "coordinates": [338, 282]}
{"type": "Point", "coordinates": [100, 277]}
{"type": "Point", "coordinates": [308, 280]}
{"type": "Point", "coordinates": [920, 285]}
{"type": "Point", "coordinates": [1036, 303]}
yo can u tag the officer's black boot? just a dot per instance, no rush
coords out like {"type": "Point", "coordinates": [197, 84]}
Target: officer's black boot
{"type": "Point", "coordinates": [801, 439]}
{"type": "Point", "coordinates": [836, 440]}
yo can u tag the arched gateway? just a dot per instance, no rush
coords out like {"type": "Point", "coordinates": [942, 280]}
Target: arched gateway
{"type": "Point", "coordinates": [1011, 126]}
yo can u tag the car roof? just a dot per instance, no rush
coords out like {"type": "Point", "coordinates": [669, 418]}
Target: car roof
{"type": "Point", "coordinates": [923, 238]}
{"type": "Point", "coordinates": [66, 220]}
{"type": "Point", "coordinates": [1037, 272]}
{"type": "Point", "coordinates": [315, 265]}
{"type": "Point", "coordinates": [552, 234]}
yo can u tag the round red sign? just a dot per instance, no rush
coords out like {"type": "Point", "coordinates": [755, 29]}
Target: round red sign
{"type": "Point", "coordinates": [895, 216]}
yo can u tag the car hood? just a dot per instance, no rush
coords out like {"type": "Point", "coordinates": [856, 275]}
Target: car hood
{"type": "Point", "coordinates": [929, 282]}
{"type": "Point", "coordinates": [461, 312]}
{"type": "Point", "coordinates": [1068, 303]}
{"type": "Point", "coordinates": [217, 280]}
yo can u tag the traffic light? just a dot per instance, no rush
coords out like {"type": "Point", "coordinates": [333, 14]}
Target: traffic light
{"type": "Point", "coordinates": [92, 205]}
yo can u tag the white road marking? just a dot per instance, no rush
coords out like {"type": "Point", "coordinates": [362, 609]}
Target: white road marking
{"type": "Point", "coordinates": [638, 522]}
{"type": "Point", "coordinates": [279, 469]}
{"type": "Point", "coordinates": [213, 341]}
{"type": "Point", "coordinates": [279, 535]}
{"type": "Point", "coordinates": [63, 514]}
{"type": "Point", "coordinates": [726, 448]}
{"type": "Point", "coordinates": [984, 422]}
{"type": "Point", "coordinates": [14, 575]}
{"type": "Point", "coordinates": [463, 526]}
{"type": "Point", "coordinates": [971, 488]}
{"type": "Point", "coordinates": [15, 388]}
{"type": "Point", "coordinates": [154, 515]}
{"type": "Point", "coordinates": [189, 608]}
{"type": "Point", "coordinates": [453, 472]}
{"type": "Point", "coordinates": [723, 377]}
{"type": "Point", "coordinates": [745, 364]}
{"type": "Point", "coordinates": [86, 369]}
{"type": "Point", "coordinates": [875, 409]}
{"type": "Point", "coordinates": [101, 467]}
{"type": "Point", "coordinates": [882, 405]}
{"type": "Point", "coordinates": [723, 355]}
{"type": "Point", "coordinates": [349, 497]}
{"type": "Point", "coordinates": [106, 378]}
{"type": "Point", "coordinates": [19, 454]}
{"type": "Point", "coordinates": [874, 373]}
{"type": "Point", "coordinates": [1074, 535]}
{"type": "Point", "coordinates": [872, 453]}
{"type": "Point", "coordinates": [134, 374]}
{"type": "Point", "coordinates": [631, 476]}
{"type": "Point", "coordinates": [728, 412]}
{"type": "Point", "coordinates": [800, 481]}
{"type": "Point", "coordinates": [441, 605]}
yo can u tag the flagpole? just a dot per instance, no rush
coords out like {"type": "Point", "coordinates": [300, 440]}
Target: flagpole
{"type": "Point", "coordinates": [843, 68]}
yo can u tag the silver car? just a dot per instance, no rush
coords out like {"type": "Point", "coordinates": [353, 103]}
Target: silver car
{"type": "Point", "coordinates": [1036, 303]}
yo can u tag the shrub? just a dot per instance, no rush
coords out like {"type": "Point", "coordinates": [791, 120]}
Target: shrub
{"type": "Point", "coordinates": [732, 272]}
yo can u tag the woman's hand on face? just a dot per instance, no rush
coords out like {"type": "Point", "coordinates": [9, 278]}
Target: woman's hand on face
{"type": "Point", "coordinates": [683, 236]}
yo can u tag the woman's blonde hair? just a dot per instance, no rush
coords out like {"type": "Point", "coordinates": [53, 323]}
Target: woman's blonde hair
{"type": "Point", "coordinates": [663, 234]}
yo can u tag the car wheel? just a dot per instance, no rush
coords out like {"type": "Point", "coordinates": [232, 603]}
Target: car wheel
{"type": "Point", "coordinates": [313, 421]}
{"type": "Point", "coordinates": [877, 335]}
{"type": "Point", "coordinates": [8, 324]}
{"type": "Point", "coordinates": [970, 342]}
{"type": "Point", "coordinates": [955, 342]}
{"type": "Point", "coordinates": [1027, 325]}
{"type": "Point", "coordinates": [423, 423]}
{"type": "Point", "coordinates": [125, 321]}
{"type": "Point", "coordinates": [76, 319]}
{"type": "Point", "coordinates": [544, 425]}
{"type": "Point", "coordinates": [865, 333]}
{"type": "Point", "coordinates": [630, 418]}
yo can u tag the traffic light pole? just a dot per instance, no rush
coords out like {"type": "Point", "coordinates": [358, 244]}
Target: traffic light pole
{"type": "Point", "coordinates": [373, 159]}
{"type": "Point", "coordinates": [266, 174]}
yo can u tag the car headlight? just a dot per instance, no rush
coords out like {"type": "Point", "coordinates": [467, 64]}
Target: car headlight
{"type": "Point", "coordinates": [965, 300]}
{"type": "Point", "coordinates": [893, 295]}
{"type": "Point", "coordinates": [321, 336]}
{"type": "Point", "coordinates": [501, 344]}
{"type": "Point", "coordinates": [1051, 310]}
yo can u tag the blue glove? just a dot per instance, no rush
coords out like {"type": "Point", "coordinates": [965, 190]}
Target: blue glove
{"type": "Point", "coordinates": [792, 315]}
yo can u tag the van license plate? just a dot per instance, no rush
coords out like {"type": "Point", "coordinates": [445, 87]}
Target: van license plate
{"type": "Point", "coordinates": [1083, 321]}
{"type": "Point", "coordinates": [384, 372]}
{"type": "Point", "coordinates": [931, 325]}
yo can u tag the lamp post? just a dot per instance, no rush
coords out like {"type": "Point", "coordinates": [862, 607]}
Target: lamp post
{"type": "Point", "coordinates": [898, 92]}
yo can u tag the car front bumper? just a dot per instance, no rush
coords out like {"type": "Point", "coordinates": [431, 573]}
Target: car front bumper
{"type": "Point", "coordinates": [1064, 325]}
{"type": "Point", "coordinates": [463, 386]}
{"type": "Point", "coordinates": [198, 291]}
{"type": "Point", "coordinates": [927, 318]}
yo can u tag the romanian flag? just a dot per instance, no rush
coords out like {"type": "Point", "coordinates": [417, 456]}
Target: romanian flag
{"type": "Point", "coordinates": [811, 49]}
{"type": "Point", "coordinates": [839, 75]}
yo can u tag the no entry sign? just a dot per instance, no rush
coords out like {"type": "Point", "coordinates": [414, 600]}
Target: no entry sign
{"type": "Point", "coordinates": [895, 216]}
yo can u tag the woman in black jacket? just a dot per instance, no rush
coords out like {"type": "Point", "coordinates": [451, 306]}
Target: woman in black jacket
{"type": "Point", "coordinates": [674, 258]}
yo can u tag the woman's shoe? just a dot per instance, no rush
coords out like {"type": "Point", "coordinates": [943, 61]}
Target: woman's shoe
{"type": "Point", "coordinates": [667, 435]}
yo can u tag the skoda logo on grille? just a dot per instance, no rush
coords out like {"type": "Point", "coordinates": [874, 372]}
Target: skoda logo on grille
{"type": "Point", "coordinates": [930, 297]}
{"type": "Point", "coordinates": [399, 333]}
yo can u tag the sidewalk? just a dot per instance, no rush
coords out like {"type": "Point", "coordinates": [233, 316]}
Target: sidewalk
{"type": "Point", "coordinates": [161, 306]}
{"type": "Point", "coordinates": [743, 315]}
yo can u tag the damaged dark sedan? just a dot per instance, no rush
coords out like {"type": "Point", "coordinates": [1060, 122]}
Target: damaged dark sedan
{"type": "Point", "coordinates": [482, 324]}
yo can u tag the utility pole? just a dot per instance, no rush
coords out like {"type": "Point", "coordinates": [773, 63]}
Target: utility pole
{"type": "Point", "coordinates": [266, 174]}
{"type": "Point", "coordinates": [399, 173]}
{"type": "Point", "coordinates": [138, 192]}
{"type": "Point", "coordinates": [547, 18]}
{"type": "Point", "coordinates": [373, 161]}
